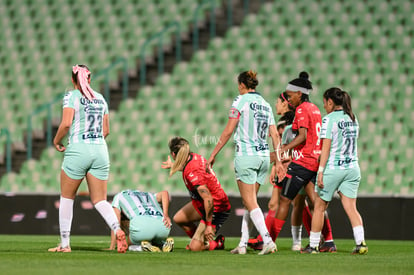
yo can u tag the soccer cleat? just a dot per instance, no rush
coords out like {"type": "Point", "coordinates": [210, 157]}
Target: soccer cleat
{"type": "Point", "coordinates": [309, 250]}
{"type": "Point", "coordinates": [268, 248]}
{"type": "Point", "coordinates": [148, 247]}
{"type": "Point", "coordinates": [296, 247]}
{"type": "Point", "coordinates": [255, 243]}
{"type": "Point", "coordinates": [361, 249]}
{"type": "Point", "coordinates": [60, 249]}
{"type": "Point", "coordinates": [239, 250]}
{"type": "Point", "coordinates": [168, 246]}
{"type": "Point", "coordinates": [220, 242]}
{"type": "Point", "coordinates": [121, 242]}
{"type": "Point", "coordinates": [328, 247]}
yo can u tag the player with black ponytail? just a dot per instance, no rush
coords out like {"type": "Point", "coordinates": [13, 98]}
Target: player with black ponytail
{"type": "Point", "coordinates": [338, 168]}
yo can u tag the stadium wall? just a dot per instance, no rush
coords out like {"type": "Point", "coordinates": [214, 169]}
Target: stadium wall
{"type": "Point", "coordinates": [385, 218]}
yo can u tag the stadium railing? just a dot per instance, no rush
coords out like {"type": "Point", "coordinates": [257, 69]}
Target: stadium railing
{"type": "Point", "coordinates": [159, 37]}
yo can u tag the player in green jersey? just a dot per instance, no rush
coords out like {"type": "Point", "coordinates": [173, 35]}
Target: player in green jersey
{"type": "Point", "coordinates": [251, 119]}
{"type": "Point", "coordinates": [338, 167]}
{"type": "Point", "coordinates": [85, 118]}
{"type": "Point", "coordinates": [144, 216]}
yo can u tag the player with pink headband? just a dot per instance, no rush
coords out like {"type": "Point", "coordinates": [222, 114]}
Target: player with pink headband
{"type": "Point", "coordinates": [85, 117]}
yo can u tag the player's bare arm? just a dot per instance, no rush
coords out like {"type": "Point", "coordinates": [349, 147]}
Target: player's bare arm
{"type": "Point", "coordinates": [299, 139]}
{"type": "Point", "coordinates": [209, 208]}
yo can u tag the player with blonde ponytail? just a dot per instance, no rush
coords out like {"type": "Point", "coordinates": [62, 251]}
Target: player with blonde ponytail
{"type": "Point", "coordinates": [209, 204]}
{"type": "Point", "coordinates": [180, 159]}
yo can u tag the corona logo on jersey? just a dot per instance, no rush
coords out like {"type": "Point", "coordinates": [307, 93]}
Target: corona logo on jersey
{"type": "Point", "coordinates": [345, 124]}
{"type": "Point", "coordinates": [85, 101]}
{"type": "Point", "coordinates": [257, 107]}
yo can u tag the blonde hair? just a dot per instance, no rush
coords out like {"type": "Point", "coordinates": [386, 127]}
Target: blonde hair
{"type": "Point", "coordinates": [180, 147]}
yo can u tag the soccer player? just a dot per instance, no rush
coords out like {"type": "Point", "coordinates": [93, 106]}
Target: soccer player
{"type": "Point", "coordinates": [209, 204]}
{"type": "Point", "coordinates": [338, 167]}
{"type": "Point", "coordinates": [85, 117]}
{"type": "Point", "coordinates": [144, 216]}
{"type": "Point", "coordinates": [305, 147]}
{"type": "Point", "coordinates": [251, 117]}
{"type": "Point", "coordinates": [284, 128]}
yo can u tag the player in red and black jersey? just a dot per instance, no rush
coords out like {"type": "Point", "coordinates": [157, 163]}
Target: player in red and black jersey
{"type": "Point", "coordinates": [305, 149]}
{"type": "Point", "coordinates": [209, 203]}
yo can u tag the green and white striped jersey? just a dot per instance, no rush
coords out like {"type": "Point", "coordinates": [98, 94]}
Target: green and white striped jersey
{"type": "Point", "coordinates": [87, 125]}
{"type": "Point", "coordinates": [136, 203]}
{"type": "Point", "coordinates": [343, 133]}
{"type": "Point", "coordinates": [255, 116]}
{"type": "Point", "coordinates": [288, 135]}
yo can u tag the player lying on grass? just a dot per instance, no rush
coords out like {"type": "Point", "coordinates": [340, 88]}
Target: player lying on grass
{"type": "Point", "coordinates": [144, 218]}
{"type": "Point", "coordinates": [209, 203]}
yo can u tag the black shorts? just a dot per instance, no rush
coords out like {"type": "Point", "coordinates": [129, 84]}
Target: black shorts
{"type": "Point", "coordinates": [297, 177]}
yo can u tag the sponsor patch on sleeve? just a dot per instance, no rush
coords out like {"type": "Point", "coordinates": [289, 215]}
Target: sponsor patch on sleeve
{"type": "Point", "coordinates": [234, 113]}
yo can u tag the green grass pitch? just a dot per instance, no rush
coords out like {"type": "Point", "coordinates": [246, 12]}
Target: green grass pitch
{"type": "Point", "coordinates": [23, 254]}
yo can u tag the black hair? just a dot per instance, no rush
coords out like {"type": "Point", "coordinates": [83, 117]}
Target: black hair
{"type": "Point", "coordinates": [288, 117]}
{"type": "Point", "coordinates": [249, 79]}
{"type": "Point", "coordinates": [340, 98]}
{"type": "Point", "coordinates": [284, 97]}
{"type": "Point", "coordinates": [303, 81]}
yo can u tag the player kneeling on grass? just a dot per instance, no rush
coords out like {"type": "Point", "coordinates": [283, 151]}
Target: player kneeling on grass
{"type": "Point", "coordinates": [339, 169]}
{"type": "Point", "coordinates": [144, 218]}
{"type": "Point", "coordinates": [209, 203]}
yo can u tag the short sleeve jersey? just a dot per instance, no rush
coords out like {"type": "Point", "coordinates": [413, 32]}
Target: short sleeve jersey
{"type": "Point", "coordinates": [194, 175]}
{"type": "Point", "coordinates": [308, 116]}
{"type": "Point", "coordinates": [255, 116]}
{"type": "Point", "coordinates": [136, 203]}
{"type": "Point", "coordinates": [343, 133]}
{"type": "Point", "coordinates": [87, 125]}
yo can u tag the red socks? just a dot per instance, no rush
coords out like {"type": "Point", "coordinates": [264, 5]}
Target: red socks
{"type": "Point", "coordinates": [191, 232]}
{"type": "Point", "coordinates": [307, 222]}
{"type": "Point", "coordinates": [212, 245]}
{"type": "Point", "coordinates": [278, 225]}
{"type": "Point", "coordinates": [327, 230]}
{"type": "Point", "coordinates": [307, 219]}
{"type": "Point", "coordinates": [270, 223]}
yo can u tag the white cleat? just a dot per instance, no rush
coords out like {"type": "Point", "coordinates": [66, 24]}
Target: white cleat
{"type": "Point", "coordinates": [239, 250]}
{"type": "Point", "coordinates": [268, 248]}
{"type": "Point", "coordinates": [296, 247]}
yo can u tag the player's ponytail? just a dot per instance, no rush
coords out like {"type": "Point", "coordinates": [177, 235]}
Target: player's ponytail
{"type": "Point", "coordinates": [81, 76]}
{"type": "Point", "coordinates": [181, 148]}
{"type": "Point", "coordinates": [346, 105]}
{"type": "Point", "coordinates": [340, 98]}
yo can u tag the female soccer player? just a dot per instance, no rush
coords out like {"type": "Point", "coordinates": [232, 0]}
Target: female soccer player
{"type": "Point", "coordinates": [305, 147]}
{"type": "Point", "coordinates": [209, 203]}
{"type": "Point", "coordinates": [144, 216]}
{"type": "Point", "coordinates": [85, 117]}
{"type": "Point", "coordinates": [284, 128]}
{"type": "Point", "coordinates": [252, 119]}
{"type": "Point", "coordinates": [338, 167]}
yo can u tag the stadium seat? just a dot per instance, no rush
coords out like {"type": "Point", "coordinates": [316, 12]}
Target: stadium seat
{"type": "Point", "coordinates": [362, 47]}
